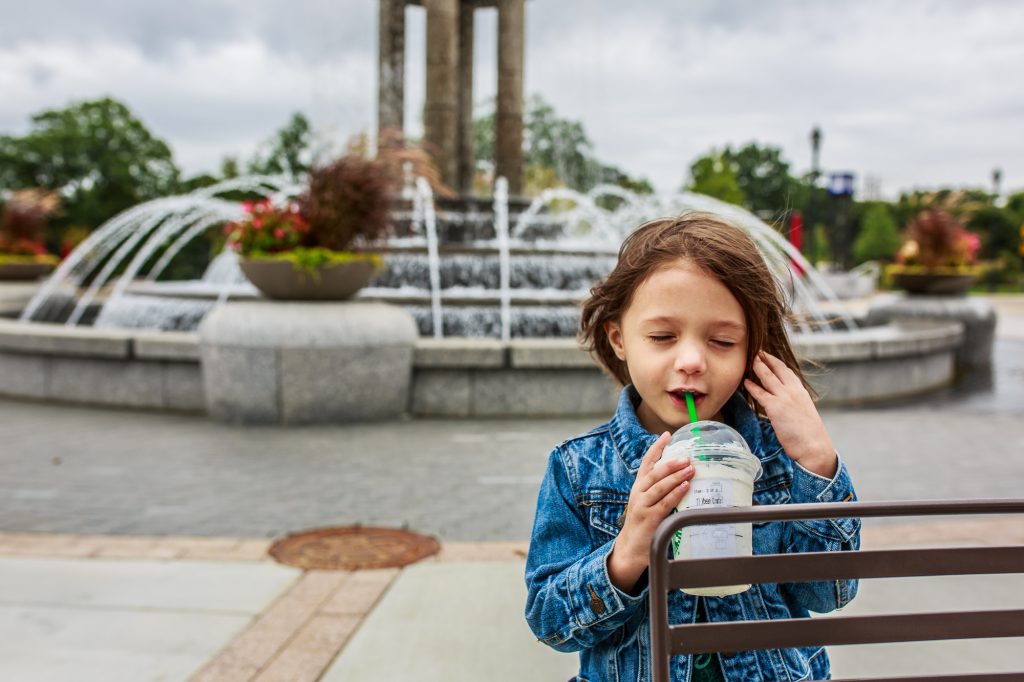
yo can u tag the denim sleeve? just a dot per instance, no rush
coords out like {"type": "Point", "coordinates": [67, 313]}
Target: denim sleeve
{"type": "Point", "coordinates": [822, 535]}
{"type": "Point", "coordinates": [571, 603]}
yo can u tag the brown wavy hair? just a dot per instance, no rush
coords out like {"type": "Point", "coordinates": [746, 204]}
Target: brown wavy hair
{"type": "Point", "coordinates": [720, 249]}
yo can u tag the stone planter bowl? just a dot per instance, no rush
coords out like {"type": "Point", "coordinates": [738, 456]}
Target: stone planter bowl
{"type": "Point", "coordinates": [934, 284]}
{"type": "Point", "coordinates": [282, 280]}
{"type": "Point", "coordinates": [24, 271]}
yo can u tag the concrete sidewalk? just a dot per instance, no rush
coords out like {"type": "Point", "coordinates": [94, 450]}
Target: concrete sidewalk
{"type": "Point", "coordinates": [207, 609]}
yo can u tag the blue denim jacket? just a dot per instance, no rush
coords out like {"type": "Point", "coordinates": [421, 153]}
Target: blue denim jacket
{"type": "Point", "coordinates": [571, 603]}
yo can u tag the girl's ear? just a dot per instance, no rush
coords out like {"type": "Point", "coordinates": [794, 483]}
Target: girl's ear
{"type": "Point", "coordinates": [614, 333]}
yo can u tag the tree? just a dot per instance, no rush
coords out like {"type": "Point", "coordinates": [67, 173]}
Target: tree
{"type": "Point", "coordinates": [998, 229]}
{"type": "Point", "coordinates": [760, 175]}
{"type": "Point", "coordinates": [1015, 204]}
{"type": "Point", "coordinates": [714, 176]}
{"type": "Point", "coordinates": [289, 152]}
{"type": "Point", "coordinates": [764, 177]}
{"type": "Point", "coordinates": [560, 144]}
{"type": "Point", "coordinates": [555, 151]}
{"type": "Point", "coordinates": [879, 237]}
{"type": "Point", "coordinates": [96, 154]}
{"type": "Point", "coordinates": [959, 202]}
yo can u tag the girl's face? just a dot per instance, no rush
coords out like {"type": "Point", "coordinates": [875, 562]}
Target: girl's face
{"type": "Point", "coordinates": [683, 331]}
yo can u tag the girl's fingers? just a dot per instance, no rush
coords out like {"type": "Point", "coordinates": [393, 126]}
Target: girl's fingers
{"type": "Point", "coordinates": [755, 391]}
{"type": "Point", "coordinates": [671, 499]}
{"type": "Point", "coordinates": [781, 369]}
{"type": "Point", "coordinates": [758, 393]}
{"type": "Point", "coordinates": [660, 471]}
{"type": "Point", "coordinates": [659, 490]}
{"type": "Point", "coordinates": [769, 381]}
{"type": "Point", "coordinates": [653, 454]}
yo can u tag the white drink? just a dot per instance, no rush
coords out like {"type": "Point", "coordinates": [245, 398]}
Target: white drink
{"type": "Point", "coordinates": [724, 474]}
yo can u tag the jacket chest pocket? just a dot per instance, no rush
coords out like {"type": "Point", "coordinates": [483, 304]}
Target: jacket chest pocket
{"type": "Point", "coordinates": [768, 535]}
{"type": "Point", "coordinates": [772, 491]}
{"type": "Point", "coordinates": [607, 512]}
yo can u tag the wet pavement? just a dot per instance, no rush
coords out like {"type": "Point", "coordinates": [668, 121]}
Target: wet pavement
{"type": "Point", "coordinates": [70, 469]}
{"type": "Point", "coordinates": [155, 474]}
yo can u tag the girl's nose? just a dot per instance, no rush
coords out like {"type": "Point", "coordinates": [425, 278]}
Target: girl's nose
{"type": "Point", "coordinates": [690, 358]}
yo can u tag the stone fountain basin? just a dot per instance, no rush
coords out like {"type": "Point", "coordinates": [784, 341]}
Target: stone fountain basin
{"type": "Point", "coordinates": [451, 377]}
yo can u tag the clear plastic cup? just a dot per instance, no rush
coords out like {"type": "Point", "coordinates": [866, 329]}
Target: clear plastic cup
{"type": "Point", "coordinates": [724, 475]}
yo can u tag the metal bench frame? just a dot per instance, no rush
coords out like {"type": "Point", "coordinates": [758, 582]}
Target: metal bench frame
{"type": "Point", "coordinates": [669, 574]}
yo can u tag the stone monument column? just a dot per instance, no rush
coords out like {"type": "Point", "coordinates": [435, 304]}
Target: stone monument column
{"type": "Point", "coordinates": [466, 161]}
{"type": "Point", "coordinates": [509, 133]}
{"type": "Point", "coordinates": [391, 66]}
{"type": "Point", "coordinates": [440, 115]}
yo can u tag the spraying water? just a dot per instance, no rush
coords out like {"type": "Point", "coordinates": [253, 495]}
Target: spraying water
{"type": "Point", "coordinates": [424, 208]}
{"type": "Point", "coordinates": [143, 230]}
{"type": "Point", "coordinates": [501, 228]}
{"type": "Point", "coordinates": [547, 255]}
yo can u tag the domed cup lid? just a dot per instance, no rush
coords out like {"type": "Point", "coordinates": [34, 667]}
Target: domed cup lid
{"type": "Point", "coordinates": [714, 441]}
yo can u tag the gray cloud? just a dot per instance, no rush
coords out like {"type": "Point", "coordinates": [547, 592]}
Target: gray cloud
{"type": "Point", "coordinates": [306, 29]}
{"type": "Point", "coordinates": [915, 93]}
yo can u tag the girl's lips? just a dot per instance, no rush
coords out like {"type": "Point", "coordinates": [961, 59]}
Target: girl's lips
{"type": "Point", "coordinates": [679, 400]}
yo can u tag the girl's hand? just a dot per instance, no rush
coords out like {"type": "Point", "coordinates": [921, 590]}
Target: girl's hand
{"type": "Point", "coordinates": [792, 413]}
{"type": "Point", "coordinates": [658, 488]}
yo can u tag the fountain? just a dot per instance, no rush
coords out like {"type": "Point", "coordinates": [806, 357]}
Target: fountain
{"type": "Point", "coordinates": [492, 289]}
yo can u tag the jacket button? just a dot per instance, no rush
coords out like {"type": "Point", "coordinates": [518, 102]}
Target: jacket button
{"type": "Point", "coordinates": [596, 605]}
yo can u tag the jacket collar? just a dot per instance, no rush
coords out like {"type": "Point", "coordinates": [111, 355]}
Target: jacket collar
{"type": "Point", "coordinates": [632, 440]}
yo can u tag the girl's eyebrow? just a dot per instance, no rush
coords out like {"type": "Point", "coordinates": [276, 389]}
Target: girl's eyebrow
{"type": "Point", "coordinates": [667, 319]}
{"type": "Point", "coordinates": [660, 319]}
{"type": "Point", "coordinates": [739, 326]}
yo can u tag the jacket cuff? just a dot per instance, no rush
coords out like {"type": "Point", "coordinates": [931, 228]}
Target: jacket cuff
{"type": "Point", "coordinates": [810, 487]}
{"type": "Point", "coordinates": [593, 597]}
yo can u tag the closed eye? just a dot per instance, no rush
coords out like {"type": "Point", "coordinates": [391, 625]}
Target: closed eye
{"type": "Point", "coordinates": [723, 343]}
{"type": "Point", "coordinates": [659, 338]}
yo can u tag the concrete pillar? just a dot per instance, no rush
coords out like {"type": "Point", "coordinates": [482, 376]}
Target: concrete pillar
{"type": "Point", "coordinates": [466, 162]}
{"type": "Point", "coordinates": [300, 362]}
{"type": "Point", "coordinates": [509, 133]}
{"type": "Point", "coordinates": [440, 115]}
{"type": "Point", "coordinates": [391, 67]}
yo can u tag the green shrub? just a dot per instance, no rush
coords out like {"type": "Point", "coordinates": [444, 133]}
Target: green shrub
{"type": "Point", "coordinates": [879, 237]}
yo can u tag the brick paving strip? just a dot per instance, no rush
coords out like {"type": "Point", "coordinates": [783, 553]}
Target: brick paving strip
{"type": "Point", "coordinates": [301, 633]}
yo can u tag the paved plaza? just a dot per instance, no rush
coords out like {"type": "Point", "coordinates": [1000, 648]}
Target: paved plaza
{"type": "Point", "coordinates": [78, 470]}
{"type": "Point", "coordinates": [133, 544]}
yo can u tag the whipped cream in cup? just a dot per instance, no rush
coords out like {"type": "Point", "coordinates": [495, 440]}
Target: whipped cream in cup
{"type": "Point", "coordinates": [724, 475]}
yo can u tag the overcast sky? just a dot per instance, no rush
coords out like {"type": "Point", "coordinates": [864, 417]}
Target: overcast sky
{"type": "Point", "coordinates": [914, 93]}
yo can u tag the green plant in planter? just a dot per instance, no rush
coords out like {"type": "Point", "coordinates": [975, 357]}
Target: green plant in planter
{"type": "Point", "coordinates": [937, 256]}
{"type": "Point", "coordinates": [342, 213]}
{"type": "Point", "coordinates": [321, 245]}
{"type": "Point", "coordinates": [936, 240]}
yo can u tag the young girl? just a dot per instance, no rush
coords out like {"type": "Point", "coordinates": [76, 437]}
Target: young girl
{"type": "Point", "coordinates": [690, 306]}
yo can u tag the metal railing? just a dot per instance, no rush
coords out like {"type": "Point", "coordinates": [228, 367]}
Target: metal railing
{"type": "Point", "coordinates": [668, 574]}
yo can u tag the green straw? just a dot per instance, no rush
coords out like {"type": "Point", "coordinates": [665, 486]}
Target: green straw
{"type": "Point", "coordinates": [691, 408]}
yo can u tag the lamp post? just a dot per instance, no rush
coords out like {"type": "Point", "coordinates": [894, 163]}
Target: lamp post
{"type": "Point", "coordinates": [811, 218]}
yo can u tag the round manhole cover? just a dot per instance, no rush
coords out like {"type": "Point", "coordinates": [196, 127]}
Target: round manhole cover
{"type": "Point", "coordinates": [353, 548]}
